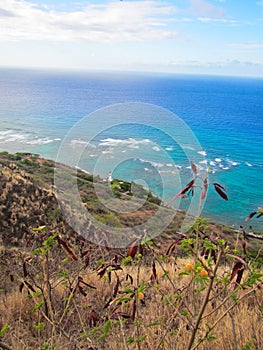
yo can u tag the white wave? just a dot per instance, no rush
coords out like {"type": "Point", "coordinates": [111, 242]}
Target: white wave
{"type": "Point", "coordinates": [156, 148]}
{"type": "Point", "coordinates": [203, 161]}
{"type": "Point", "coordinates": [218, 160]}
{"type": "Point", "coordinates": [83, 170]}
{"type": "Point", "coordinates": [12, 136]}
{"type": "Point", "coordinates": [130, 142]}
{"type": "Point", "coordinates": [4, 134]}
{"type": "Point", "coordinates": [226, 168]}
{"type": "Point", "coordinates": [169, 148]}
{"type": "Point", "coordinates": [157, 165]}
{"type": "Point", "coordinates": [25, 138]}
{"type": "Point", "coordinates": [248, 164]}
{"type": "Point", "coordinates": [15, 138]}
{"type": "Point", "coordinates": [232, 162]}
{"type": "Point", "coordinates": [202, 153]}
{"type": "Point", "coordinates": [79, 142]}
{"type": "Point", "coordinates": [212, 163]}
{"type": "Point", "coordinates": [143, 160]}
{"type": "Point", "coordinates": [40, 141]}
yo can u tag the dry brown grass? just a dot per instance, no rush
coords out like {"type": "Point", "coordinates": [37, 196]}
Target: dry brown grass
{"type": "Point", "coordinates": [164, 316]}
{"type": "Point", "coordinates": [69, 294]}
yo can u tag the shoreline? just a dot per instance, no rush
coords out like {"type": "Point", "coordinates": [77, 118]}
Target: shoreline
{"type": "Point", "coordinates": [18, 156]}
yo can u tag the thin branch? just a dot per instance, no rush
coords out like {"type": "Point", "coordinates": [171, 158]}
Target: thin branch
{"type": "Point", "coordinates": [4, 346]}
{"type": "Point", "coordinates": [229, 309]}
{"type": "Point", "coordinates": [205, 301]}
{"type": "Point", "coordinates": [123, 334]}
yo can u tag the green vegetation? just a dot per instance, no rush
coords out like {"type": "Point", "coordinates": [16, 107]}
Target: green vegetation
{"type": "Point", "coordinates": [198, 290]}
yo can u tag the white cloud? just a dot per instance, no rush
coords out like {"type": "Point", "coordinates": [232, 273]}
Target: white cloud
{"type": "Point", "coordinates": [205, 9]}
{"type": "Point", "coordinates": [224, 67]}
{"type": "Point", "coordinates": [247, 46]}
{"type": "Point", "coordinates": [111, 22]}
{"type": "Point", "coordinates": [217, 20]}
{"type": "Point", "coordinates": [260, 3]}
{"type": "Point", "coordinates": [5, 13]}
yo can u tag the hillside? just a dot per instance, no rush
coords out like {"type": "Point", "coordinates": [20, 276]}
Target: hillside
{"type": "Point", "coordinates": [28, 200]}
{"type": "Point", "coordinates": [59, 290]}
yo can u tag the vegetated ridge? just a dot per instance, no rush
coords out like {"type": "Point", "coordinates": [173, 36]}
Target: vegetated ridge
{"type": "Point", "coordinates": [198, 290]}
{"type": "Point", "coordinates": [28, 200]}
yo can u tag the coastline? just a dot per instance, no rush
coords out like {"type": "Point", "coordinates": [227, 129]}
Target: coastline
{"type": "Point", "coordinates": [42, 171]}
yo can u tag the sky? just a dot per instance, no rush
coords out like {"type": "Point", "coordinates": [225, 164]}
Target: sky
{"type": "Point", "coordinates": [222, 37]}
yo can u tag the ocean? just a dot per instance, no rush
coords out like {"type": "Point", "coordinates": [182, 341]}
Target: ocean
{"type": "Point", "coordinates": [144, 127]}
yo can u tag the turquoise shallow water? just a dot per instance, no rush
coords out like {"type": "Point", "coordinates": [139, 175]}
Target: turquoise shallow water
{"type": "Point", "coordinates": [38, 108]}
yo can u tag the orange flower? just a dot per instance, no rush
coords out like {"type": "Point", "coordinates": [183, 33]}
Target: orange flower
{"type": "Point", "coordinates": [189, 267]}
{"type": "Point", "coordinates": [203, 273]}
{"type": "Point", "coordinates": [140, 295]}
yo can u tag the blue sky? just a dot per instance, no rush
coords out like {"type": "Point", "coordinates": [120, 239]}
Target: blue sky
{"type": "Point", "coordinates": [181, 36]}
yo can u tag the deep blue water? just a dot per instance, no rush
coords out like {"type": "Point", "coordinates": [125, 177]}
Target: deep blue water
{"type": "Point", "coordinates": [38, 108]}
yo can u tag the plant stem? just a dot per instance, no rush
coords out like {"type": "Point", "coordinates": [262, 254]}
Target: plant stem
{"type": "Point", "coordinates": [234, 304]}
{"type": "Point", "coordinates": [47, 286]}
{"type": "Point", "coordinates": [4, 346]}
{"type": "Point", "coordinates": [123, 334]}
{"type": "Point", "coordinates": [205, 302]}
{"type": "Point", "coordinates": [137, 306]}
{"type": "Point", "coordinates": [233, 328]}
